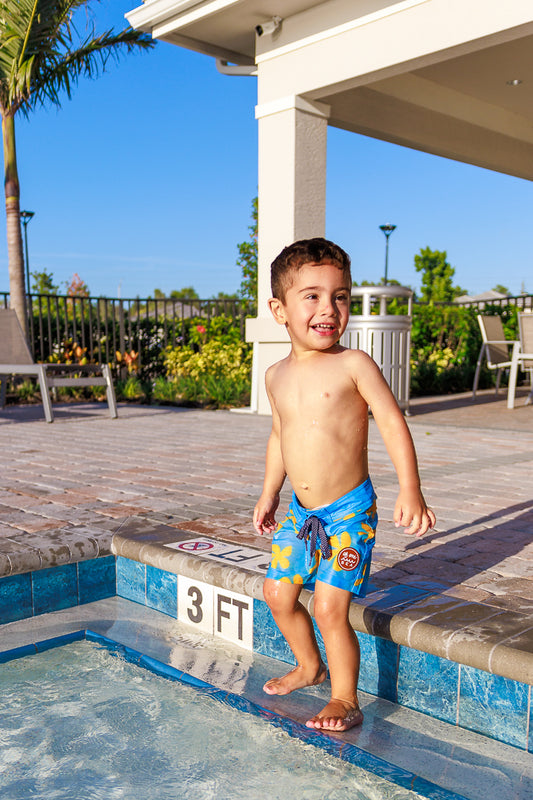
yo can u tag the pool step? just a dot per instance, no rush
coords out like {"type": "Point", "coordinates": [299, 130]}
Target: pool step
{"type": "Point", "coordinates": [467, 664]}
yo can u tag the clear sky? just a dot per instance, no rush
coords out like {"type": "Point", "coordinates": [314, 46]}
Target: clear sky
{"type": "Point", "coordinates": [145, 180]}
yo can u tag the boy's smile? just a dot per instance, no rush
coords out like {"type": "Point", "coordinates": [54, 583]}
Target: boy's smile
{"type": "Point", "coordinates": [316, 307]}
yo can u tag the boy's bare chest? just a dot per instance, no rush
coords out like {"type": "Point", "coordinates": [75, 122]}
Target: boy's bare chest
{"type": "Point", "coordinates": [316, 394]}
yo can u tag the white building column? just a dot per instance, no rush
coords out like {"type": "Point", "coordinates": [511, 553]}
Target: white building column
{"type": "Point", "coordinates": [292, 206]}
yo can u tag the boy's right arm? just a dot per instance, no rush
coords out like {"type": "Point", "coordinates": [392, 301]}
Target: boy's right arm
{"type": "Point", "coordinates": [266, 507]}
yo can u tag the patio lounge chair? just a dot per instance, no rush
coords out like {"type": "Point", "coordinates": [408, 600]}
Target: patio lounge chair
{"type": "Point", "coordinates": [16, 359]}
{"type": "Point", "coordinates": [495, 348]}
{"type": "Point", "coordinates": [522, 357]}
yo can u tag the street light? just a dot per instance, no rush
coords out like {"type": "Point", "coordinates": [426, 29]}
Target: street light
{"type": "Point", "coordinates": [387, 230]}
{"type": "Point", "coordinates": [25, 217]}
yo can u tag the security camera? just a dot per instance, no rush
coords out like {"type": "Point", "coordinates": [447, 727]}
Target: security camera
{"type": "Point", "coordinates": [268, 27]}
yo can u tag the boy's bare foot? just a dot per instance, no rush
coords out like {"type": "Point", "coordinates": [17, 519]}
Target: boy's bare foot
{"type": "Point", "coordinates": [297, 678]}
{"type": "Point", "coordinates": [338, 715]}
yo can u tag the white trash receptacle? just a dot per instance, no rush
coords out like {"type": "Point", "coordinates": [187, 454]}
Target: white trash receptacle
{"type": "Point", "coordinates": [385, 337]}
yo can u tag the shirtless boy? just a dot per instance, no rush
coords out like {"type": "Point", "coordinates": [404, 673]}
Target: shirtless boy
{"type": "Point", "coordinates": [320, 395]}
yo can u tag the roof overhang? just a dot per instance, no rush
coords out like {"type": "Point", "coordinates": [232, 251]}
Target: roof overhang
{"type": "Point", "coordinates": [221, 28]}
{"type": "Point", "coordinates": [441, 76]}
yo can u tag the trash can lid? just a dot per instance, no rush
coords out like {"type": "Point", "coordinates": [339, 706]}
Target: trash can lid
{"type": "Point", "coordinates": [382, 291]}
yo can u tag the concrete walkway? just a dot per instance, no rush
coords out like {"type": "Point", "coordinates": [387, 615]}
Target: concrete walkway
{"type": "Point", "coordinates": [67, 486]}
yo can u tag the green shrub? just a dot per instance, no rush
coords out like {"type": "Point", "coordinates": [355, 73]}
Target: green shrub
{"type": "Point", "coordinates": [218, 360]}
{"type": "Point", "coordinates": [165, 390]}
{"type": "Point", "coordinates": [130, 389]}
{"type": "Point", "coordinates": [26, 390]}
{"type": "Point", "coordinates": [215, 374]}
{"type": "Point", "coordinates": [445, 345]}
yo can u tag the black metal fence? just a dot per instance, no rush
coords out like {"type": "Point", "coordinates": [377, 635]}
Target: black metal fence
{"type": "Point", "coordinates": [523, 302]}
{"type": "Point", "coordinates": [103, 326]}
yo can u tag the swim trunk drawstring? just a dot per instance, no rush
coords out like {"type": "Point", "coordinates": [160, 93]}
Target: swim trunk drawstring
{"type": "Point", "coordinates": [311, 530]}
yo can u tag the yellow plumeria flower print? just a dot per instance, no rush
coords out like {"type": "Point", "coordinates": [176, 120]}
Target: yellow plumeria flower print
{"type": "Point", "coordinates": [297, 580]}
{"type": "Point", "coordinates": [369, 532]}
{"type": "Point", "coordinates": [361, 579]}
{"type": "Point", "coordinates": [280, 558]}
{"type": "Point", "coordinates": [338, 543]}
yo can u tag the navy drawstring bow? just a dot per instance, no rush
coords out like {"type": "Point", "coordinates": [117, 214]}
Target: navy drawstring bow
{"type": "Point", "coordinates": [313, 529]}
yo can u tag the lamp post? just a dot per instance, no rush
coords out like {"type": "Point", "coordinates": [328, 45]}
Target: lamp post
{"type": "Point", "coordinates": [25, 217]}
{"type": "Point", "coordinates": [387, 230]}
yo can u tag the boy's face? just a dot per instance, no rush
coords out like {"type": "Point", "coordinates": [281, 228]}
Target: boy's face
{"type": "Point", "coordinates": [316, 306]}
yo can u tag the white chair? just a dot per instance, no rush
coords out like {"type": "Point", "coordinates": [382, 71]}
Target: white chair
{"type": "Point", "coordinates": [522, 357]}
{"type": "Point", "coordinates": [16, 359]}
{"type": "Point", "coordinates": [495, 348]}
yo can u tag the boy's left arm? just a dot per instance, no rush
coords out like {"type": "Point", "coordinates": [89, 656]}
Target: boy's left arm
{"type": "Point", "coordinates": [410, 510]}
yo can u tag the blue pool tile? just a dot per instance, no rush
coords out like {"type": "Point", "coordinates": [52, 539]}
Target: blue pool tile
{"type": "Point", "coordinates": [96, 579]}
{"type": "Point", "coordinates": [530, 728]}
{"type": "Point", "coordinates": [494, 706]}
{"type": "Point", "coordinates": [428, 683]}
{"type": "Point", "coordinates": [379, 665]}
{"type": "Point", "coordinates": [268, 639]}
{"type": "Point", "coordinates": [160, 668]}
{"type": "Point", "coordinates": [131, 580]}
{"type": "Point", "coordinates": [55, 588]}
{"type": "Point", "coordinates": [17, 652]}
{"type": "Point", "coordinates": [15, 598]}
{"type": "Point", "coordinates": [162, 591]}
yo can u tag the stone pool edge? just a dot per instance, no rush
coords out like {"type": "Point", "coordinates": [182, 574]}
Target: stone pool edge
{"type": "Point", "coordinates": [443, 626]}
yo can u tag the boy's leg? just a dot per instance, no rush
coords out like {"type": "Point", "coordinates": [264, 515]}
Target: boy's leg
{"type": "Point", "coordinates": [296, 625]}
{"type": "Point", "coordinates": [332, 607]}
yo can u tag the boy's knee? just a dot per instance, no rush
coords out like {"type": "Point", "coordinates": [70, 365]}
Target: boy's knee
{"type": "Point", "coordinates": [328, 613]}
{"type": "Point", "coordinates": [325, 613]}
{"type": "Point", "coordinates": [279, 596]}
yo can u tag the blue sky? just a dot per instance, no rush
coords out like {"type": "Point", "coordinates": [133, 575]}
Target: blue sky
{"type": "Point", "coordinates": [145, 179]}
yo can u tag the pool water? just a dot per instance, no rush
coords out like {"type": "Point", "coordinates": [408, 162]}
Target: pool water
{"type": "Point", "coordinates": [78, 722]}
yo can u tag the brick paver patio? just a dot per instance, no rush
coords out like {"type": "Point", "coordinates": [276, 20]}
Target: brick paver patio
{"type": "Point", "coordinates": [67, 486]}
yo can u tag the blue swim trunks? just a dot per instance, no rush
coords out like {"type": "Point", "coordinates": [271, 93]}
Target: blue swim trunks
{"type": "Point", "coordinates": [332, 544]}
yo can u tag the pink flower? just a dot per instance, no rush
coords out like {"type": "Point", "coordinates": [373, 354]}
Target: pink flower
{"type": "Point", "coordinates": [200, 329]}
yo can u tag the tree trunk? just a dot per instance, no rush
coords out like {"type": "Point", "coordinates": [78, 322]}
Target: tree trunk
{"type": "Point", "coordinates": [17, 289]}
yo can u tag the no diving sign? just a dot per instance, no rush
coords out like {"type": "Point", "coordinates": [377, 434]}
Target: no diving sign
{"type": "Point", "coordinates": [194, 546]}
{"type": "Point", "coordinates": [246, 557]}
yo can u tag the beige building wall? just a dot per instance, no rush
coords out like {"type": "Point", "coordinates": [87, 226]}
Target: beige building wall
{"type": "Point", "coordinates": [450, 77]}
{"type": "Point", "coordinates": [292, 205]}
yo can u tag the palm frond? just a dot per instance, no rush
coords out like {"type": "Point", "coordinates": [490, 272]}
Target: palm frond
{"type": "Point", "coordinates": [42, 53]}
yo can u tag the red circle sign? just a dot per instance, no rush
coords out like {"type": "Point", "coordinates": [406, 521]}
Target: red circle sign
{"type": "Point", "coordinates": [195, 546]}
{"type": "Point", "coordinates": [348, 559]}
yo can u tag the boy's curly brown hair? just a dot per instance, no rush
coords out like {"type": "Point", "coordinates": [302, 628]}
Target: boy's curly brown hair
{"type": "Point", "coordinates": [306, 251]}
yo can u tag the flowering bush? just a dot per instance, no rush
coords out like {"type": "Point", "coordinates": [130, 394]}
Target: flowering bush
{"type": "Point", "coordinates": [129, 360]}
{"type": "Point", "coordinates": [216, 372]}
{"type": "Point", "coordinates": [221, 328]}
{"type": "Point", "coordinates": [69, 352]}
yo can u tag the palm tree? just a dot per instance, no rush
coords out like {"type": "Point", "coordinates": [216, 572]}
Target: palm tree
{"type": "Point", "coordinates": [42, 55]}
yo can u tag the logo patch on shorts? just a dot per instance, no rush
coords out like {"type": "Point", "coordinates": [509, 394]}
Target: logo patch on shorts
{"type": "Point", "coordinates": [348, 559]}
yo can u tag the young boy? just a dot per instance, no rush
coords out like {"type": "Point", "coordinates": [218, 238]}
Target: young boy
{"type": "Point", "coordinates": [320, 395]}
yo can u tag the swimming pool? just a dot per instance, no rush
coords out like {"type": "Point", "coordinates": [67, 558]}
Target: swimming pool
{"type": "Point", "coordinates": [79, 722]}
{"type": "Point", "coordinates": [401, 745]}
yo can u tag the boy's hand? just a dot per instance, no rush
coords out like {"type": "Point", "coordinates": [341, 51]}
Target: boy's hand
{"type": "Point", "coordinates": [412, 512]}
{"type": "Point", "coordinates": [264, 514]}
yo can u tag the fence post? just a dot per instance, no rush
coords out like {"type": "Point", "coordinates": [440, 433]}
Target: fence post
{"type": "Point", "coordinates": [121, 329]}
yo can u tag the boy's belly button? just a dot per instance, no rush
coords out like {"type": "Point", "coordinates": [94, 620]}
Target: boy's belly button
{"type": "Point", "coordinates": [304, 486]}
